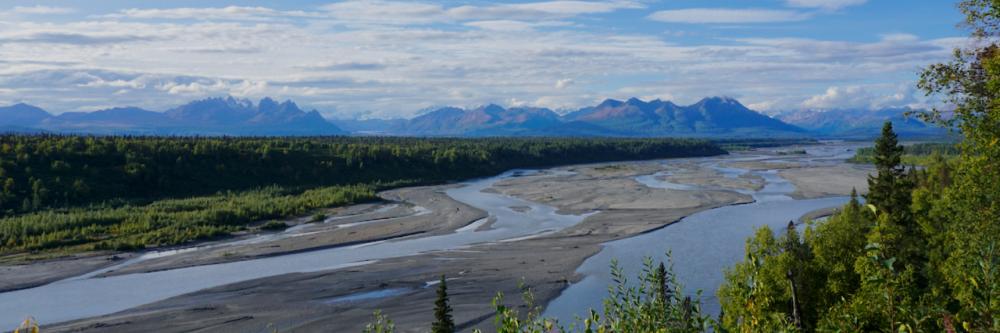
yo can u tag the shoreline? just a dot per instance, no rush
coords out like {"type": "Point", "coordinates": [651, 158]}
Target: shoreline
{"type": "Point", "coordinates": [546, 262]}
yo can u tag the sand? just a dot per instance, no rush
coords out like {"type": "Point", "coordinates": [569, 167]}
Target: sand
{"type": "Point", "coordinates": [816, 182]}
{"type": "Point", "coordinates": [547, 264]}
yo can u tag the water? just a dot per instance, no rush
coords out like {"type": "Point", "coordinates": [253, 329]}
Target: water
{"type": "Point", "coordinates": [654, 181]}
{"type": "Point", "coordinates": [702, 245]}
{"type": "Point", "coordinates": [369, 295]}
{"type": "Point", "coordinates": [88, 295]}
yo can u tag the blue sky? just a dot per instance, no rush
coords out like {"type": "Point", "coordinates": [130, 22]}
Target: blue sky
{"type": "Point", "coordinates": [386, 59]}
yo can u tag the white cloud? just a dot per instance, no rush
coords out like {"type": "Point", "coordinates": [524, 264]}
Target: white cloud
{"type": "Point", "coordinates": [511, 25]}
{"type": "Point", "coordinates": [221, 13]}
{"type": "Point", "coordinates": [825, 4]}
{"type": "Point", "coordinates": [99, 82]}
{"type": "Point", "coordinates": [899, 37]}
{"type": "Point", "coordinates": [42, 10]}
{"type": "Point", "coordinates": [839, 98]}
{"type": "Point", "coordinates": [541, 10]}
{"type": "Point", "coordinates": [402, 13]}
{"type": "Point", "coordinates": [761, 106]}
{"type": "Point", "coordinates": [725, 15]}
{"type": "Point", "coordinates": [385, 12]}
{"type": "Point", "coordinates": [863, 97]}
{"type": "Point", "coordinates": [345, 57]}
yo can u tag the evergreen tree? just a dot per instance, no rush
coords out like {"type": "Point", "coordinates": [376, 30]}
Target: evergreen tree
{"type": "Point", "coordinates": [443, 322]}
{"type": "Point", "coordinates": [889, 189]}
{"type": "Point", "coordinates": [662, 289]}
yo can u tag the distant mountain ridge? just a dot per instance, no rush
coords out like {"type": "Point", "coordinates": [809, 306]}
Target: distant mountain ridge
{"type": "Point", "coordinates": [711, 117]}
{"type": "Point", "coordinates": [861, 123]}
{"type": "Point", "coordinates": [212, 116]}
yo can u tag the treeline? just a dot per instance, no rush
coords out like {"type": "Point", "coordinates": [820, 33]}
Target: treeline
{"type": "Point", "coordinates": [57, 171]}
{"type": "Point", "coordinates": [915, 154]}
{"type": "Point", "coordinates": [747, 144]}
{"type": "Point", "coordinates": [122, 192]}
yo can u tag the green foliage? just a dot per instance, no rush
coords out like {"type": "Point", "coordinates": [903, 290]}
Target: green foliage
{"type": "Point", "coordinates": [443, 322]}
{"type": "Point", "coordinates": [864, 269]}
{"type": "Point", "coordinates": [916, 154]}
{"type": "Point", "coordinates": [380, 324]}
{"type": "Point", "coordinates": [166, 222]}
{"type": "Point", "coordinates": [758, 293]}
{"type": "Point", "coordinates": [274, 225]}
{"type": "Point", "coordinates": [64, 171]}
{"type": "Point", "coordinates": [122, 193]}
{"type": "Point", "coordinates": [655, 303]}
{"type": "Point", "coordinates": [925, 254]}
{"type": "Point", "coordinates": [747, 144]}
{"type": "Point", "coordinates": [836, 246]}
{"type": "Point", "coordinates": [967, 259]}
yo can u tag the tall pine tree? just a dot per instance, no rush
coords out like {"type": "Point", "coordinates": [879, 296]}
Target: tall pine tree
{"type": "Point", "coordinates": [889, 189]}
{"type": "Point", "coordinates": [891, 192]}
{"type": "Point", "coordinates": [443, 322]}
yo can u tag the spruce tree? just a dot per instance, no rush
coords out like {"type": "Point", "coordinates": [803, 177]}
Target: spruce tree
{"type": "Point", "coordinates": [442, 311]}
{"type": "Point", "coordinates": [889, 189]}
{"type": "Point", "coordinates": [891, 192]}
{"type": "Point", "coordinates": [663, 290]}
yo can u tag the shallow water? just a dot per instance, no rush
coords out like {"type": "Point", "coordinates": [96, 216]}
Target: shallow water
{"type": "Point", "coordinates": [654, 181]}
{"type": "Point", "coordinates": [702, 245]}
{"type": "Point", "coordinates": [369, 295]}
{"type": "Point", "coordinates": [88, 296]}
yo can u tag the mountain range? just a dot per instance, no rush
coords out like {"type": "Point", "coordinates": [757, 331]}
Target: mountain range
{"type": "Point", "coordinates": [710, 117]}
{"type": "Point", "coordinates": [713, 117]}
{"type": "Point", "coordinates": [860, 123]}
{"type": "Point", "coordinates": [212, 116]}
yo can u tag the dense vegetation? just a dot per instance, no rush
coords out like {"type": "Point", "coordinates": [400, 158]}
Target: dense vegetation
{"type": "Point", "coordinates": [92, 192]}
{"type": "Point", "coordinates": [928, 259]}
{"type": "Point", "coordinates": [916, 154]}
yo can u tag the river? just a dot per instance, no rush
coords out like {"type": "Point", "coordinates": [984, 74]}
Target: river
{"type": "Point", "coordinates": [701, 245]}
{"type": "Point", "coordinates": [87, 295]}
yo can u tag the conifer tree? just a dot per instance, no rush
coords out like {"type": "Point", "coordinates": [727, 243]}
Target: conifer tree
{"type": "Point", "coordinates": [663, 290]}
{"type": "Point", "coordinates": [443, 322]}
{"type": "Point", "coordinates": [889, 190]}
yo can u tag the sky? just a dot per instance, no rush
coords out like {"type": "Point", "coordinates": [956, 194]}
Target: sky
{"type": "Point", "coordinates": [392, 59]}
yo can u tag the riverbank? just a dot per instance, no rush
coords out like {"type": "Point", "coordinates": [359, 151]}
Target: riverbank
{"type": "Point", "coordinates": [343, 299]}
{"type": "Point", "coordinates": [482, 269]}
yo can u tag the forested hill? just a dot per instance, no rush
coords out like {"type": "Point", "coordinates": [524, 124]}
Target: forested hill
{"type": "Point", "coordinates": [43, 175]}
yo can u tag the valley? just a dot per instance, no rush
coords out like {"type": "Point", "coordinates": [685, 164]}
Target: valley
{"type": "Point", "coordinates": [533, 226]}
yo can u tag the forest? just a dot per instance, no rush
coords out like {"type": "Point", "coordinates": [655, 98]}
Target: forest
{"type": "Point", "coordinates": [916, 154]}
{"type": "Point", "coordinates": [918, 253]}
{"type": "Point", "coordinates": [107, 192]}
